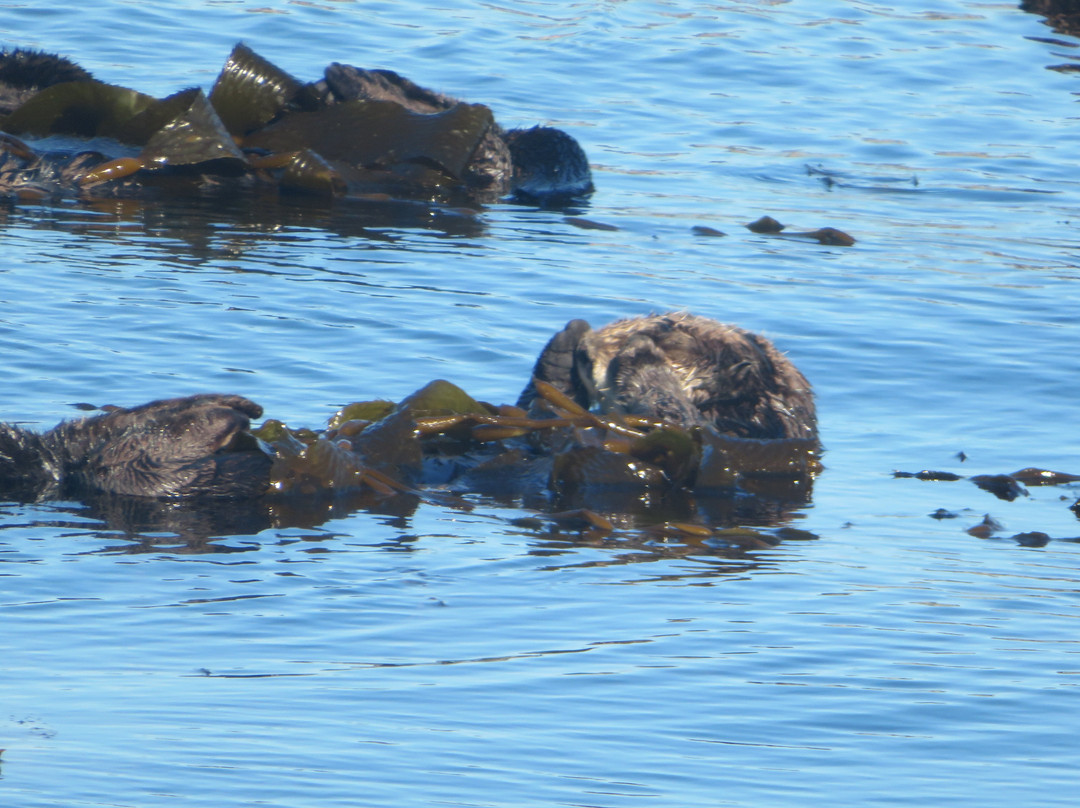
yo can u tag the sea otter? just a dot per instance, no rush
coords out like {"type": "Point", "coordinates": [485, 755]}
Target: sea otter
{"type": "Point", "coordinates": [354, 132]}
{"type": "Point", "coordinates": [693, 399]}
{"type": "Point", "coordinates": [682, 368]}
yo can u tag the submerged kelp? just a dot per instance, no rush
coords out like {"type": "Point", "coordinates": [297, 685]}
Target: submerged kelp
{"type": "Point", "coordinates": [355, 132]}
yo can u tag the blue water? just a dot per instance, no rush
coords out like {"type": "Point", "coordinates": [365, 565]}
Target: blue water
{"type": "Point", "coordinates": [436, 656]}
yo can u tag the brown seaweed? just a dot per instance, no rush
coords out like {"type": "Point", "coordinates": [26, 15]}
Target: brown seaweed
{"type": "Point", "coordinates": [306, 172]}
{"type": "Point", "coordinates": [726, 460]}
{"type": "Point", "coordinates": [382, 134]}
{"type": "Point", "coordinates": [362, 411]}
{"type": "Point", "coordinates": [251, 91]}
{"type": "Point", "coordinates": [673, 450]}
{"type": "Point", "coordinates": [193, 136]}
{"type": "Point", "coordinates": [80, 108]}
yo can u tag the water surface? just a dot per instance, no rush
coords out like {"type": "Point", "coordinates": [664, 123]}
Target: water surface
{"type": "Point", "coordinates": [416, 654]}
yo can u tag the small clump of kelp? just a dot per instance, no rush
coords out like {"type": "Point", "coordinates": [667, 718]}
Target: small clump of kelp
{"type": "Point", "coordinates": [1007, 488]}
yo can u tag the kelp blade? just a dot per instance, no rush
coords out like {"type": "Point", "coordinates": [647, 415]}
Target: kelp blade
{"type": "Point", "coordinates": [195, 135]}
{"type": "Point", "coordinates": [441, 397]}
{"type": "Point", "coordinates": [308, 173]}
{"type": "Point", "coordinates": [251, 91]}
{"type": "Point", "coordinates": [81, 108]}
{"type": "Point", "coordinates": [382, 134]}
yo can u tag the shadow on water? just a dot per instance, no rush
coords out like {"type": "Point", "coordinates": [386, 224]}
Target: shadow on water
{"type": "Point", "coordinates": [194, 226]}
{"type": "Point", "coordinates": [740, 524]}
{"type": "Point", "coordinates": [215, 227]}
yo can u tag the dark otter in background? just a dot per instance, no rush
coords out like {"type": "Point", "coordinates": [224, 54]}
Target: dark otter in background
{"type": "Point", "coordinates": [355, 131]}
{"type": "Point", "coordinates": [690, 372]}
{"type": "Point", "coordinates": [682, 368]}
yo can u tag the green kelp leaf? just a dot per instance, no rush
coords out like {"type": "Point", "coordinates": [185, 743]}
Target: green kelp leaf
{"type": "Point", "coordinates": [381, 134]}
{"type": "Point", "coordinates": [278, 435]}
{"type": "Point", "coordinates": [81, 108]}
{"type": "Point", "coordinates": [195, 135]}
{"type": "Point", "coordinates": [250, 91]}
{"type": "Point", "coordinates": [673, 450]}
{"type": "Point", "coordinates": [361, 411]}
{"type": "Point", "coordinates": [138, 129]}
{"type": "Point", "coordinates": [392, 446]}
{"type": "Point", "coordinates": [325, 465]}
{"type": "Point", "coordinates": [308, 173]}
{"type": "Point", "coordinates": [441, 397]}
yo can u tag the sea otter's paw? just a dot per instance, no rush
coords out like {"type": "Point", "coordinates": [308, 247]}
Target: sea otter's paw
{"type": "Point", "coordinates": [556, 365]}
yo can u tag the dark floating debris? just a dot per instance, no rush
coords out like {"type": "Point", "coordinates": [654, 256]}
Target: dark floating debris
{"type": "Point", "coordinates": [1034, 476]}
{"type": "Point", "coordinates": [589, 224]}
{"type": "Point", "coordinates": [823, 235]}
{"type": "Point", "coordinates": [941, 513]}
{"type": "Point", "coordinates": [702, 230]}
{"type": "Point", "coordinates": [1007, 487]}
{"type": "Point", "coordinates": [989, 526]}
{"type": "Point", "coordinates": [986, 528]}
{"type": "Point", "coordinates": [827, 235]}
{"type": "Point", "coordinates": [946, 476]}
{"type": "Point", "coordinates": [1001, 486]}
{"type": "Point", "coordinates": [1033, 538]}
{"type": "Point", "coordinates": [766, 224]}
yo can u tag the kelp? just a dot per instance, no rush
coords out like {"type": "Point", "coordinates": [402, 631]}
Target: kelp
{"type": "Point", "coordinates": [81, 108]}
{"type": "Point", "coordinates": [362, 411]}
{"type": "Point", "coordinates": [382, 134]}
{"type": "Point", "coordinates": [595, 474]}
{"type": "Point", "coordinates": [675, 451]}
{"type": "Point", "coordinates": [251, 91]}
{"type": "Point", "coordinates": [193, 136]}
{"type": "Point", "coordinates": [180, 130]}
{"type": "Point", "coordinates": [441, 397]}
{"type": "Point", "coordinates": [306, 172]}
{"type": "Point", "coordinates": [583, 467]}
{"type": "Point", "coordinates": [725, 460]}
{"type": "Point", "coordinates": [323, 466]}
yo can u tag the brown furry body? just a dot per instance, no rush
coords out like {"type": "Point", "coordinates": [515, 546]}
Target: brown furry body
{"type": "Point", "coordinates": [683, 368]}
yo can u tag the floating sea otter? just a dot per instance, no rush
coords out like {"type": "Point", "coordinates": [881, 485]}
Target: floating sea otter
{"type": "Point", "coordinates": [355, 132]}
{"type": "Point", "coordinates": [652, 404]}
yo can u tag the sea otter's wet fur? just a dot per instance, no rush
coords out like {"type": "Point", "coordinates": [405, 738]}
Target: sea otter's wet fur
{"type": "Point", "coordinates": [168, 449]}
{"type": "Point", "coordinates": [683, 368]}
{"type": "Point", "coordinates": [689, 370]}
{"type": "Point", "coordinates": [24, 73]}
